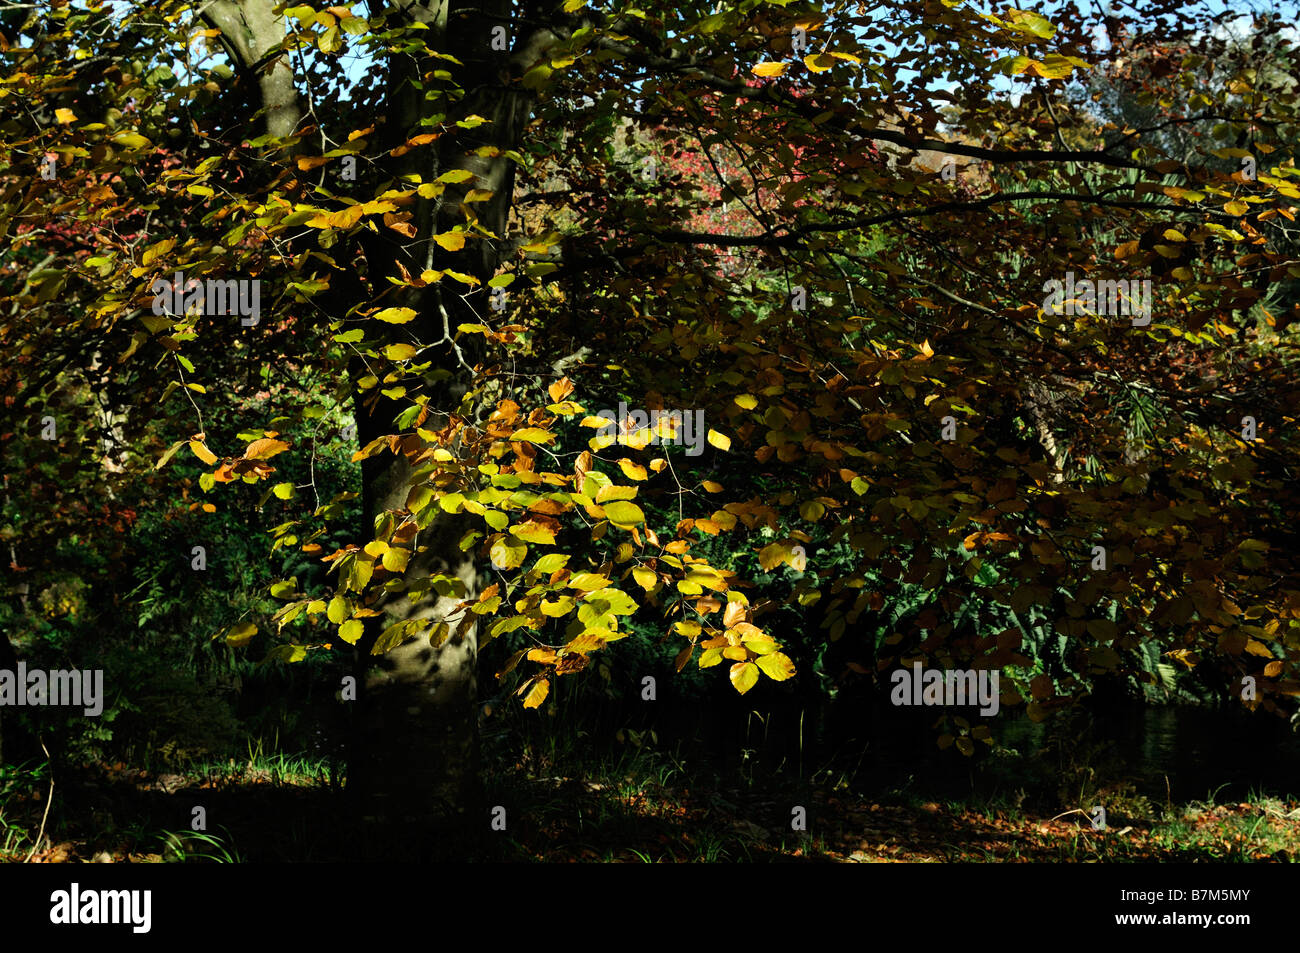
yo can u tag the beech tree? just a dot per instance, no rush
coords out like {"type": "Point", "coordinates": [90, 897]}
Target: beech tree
{"type": "Point", "coordinates": [439, 212]}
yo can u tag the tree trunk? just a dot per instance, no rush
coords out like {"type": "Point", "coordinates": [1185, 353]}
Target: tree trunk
{"type": "Point", "coordinates": [413, 774]}
{"type": "Point", "coordinates": [415, 770]}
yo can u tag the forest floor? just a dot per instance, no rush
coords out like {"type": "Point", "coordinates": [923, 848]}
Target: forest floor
{"type": "Point", "coordinates": [114, 813]}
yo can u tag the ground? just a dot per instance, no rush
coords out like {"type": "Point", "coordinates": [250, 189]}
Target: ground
{"type": "Point", "coordinates": [283, 811]}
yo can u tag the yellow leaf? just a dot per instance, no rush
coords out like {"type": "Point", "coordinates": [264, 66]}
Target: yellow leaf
{"type": "Point", "coordinates": [64, 116]}
{"type": "Point", "coordinates": [721, 441]}
{"type": "Point", "coordinates": [330, 41]}
{"type": "Point", "coordinates": [624, 513]}
{"type": "Point", "coordinates": [645, 578]}
{"type": "Point", "coordinates": [769, 69]}
{"type": "Point", "coordinates": [533, 435]}
{"type": "Point", "coordinates": [819, 62]}
{"type": "Point", "coordinates": [776, 666]}
{"type": "Point", "coordinates": [559, 607]}
{"type": "Point", "coordinates": [264, 449]}
{"type": "Point", "coordinates": [395, 315]}
{"type": "Point", "coordinates": [399, 352]}
{"type": "Point", "coordinates": [508, 552]}
{"type": "Point", "coordinates": [531, 532]}
{"type": "Point", "coordinates": [614, 492]}
{"type": "Point", "coordinates": [812, 511]}
{"type": "Point", "coordinates": [551, 562]}
{"type": "Point", "coordinates": [772, 555]}
{"type": "Point", "coordinates": [541, 688]}
{"type": "Point", "coordinates": [351, 630]}
{"type": "Point", "coordinates": [345, 218]}
{"type": "Point", "coordinates": [241, 634]}
{"type": "Point", "coordinates": [587, 582]}
{"type": "Point", "coordinates": [633, 471]}
{"type": "Point", "coordinates": [395, 560]}
{"type": "Point", "coordinates": [748, 401]}
{"type": "Point", "coordinates": [202, 452]}
{"type": "Point", "coordinates": [710, 657]}
{"type": "Point", "coordinates": [452, 241]}
{"type": "Point", "coordinates": [744, 676]}
{"type": "Point", "coordinates": [132, 140]}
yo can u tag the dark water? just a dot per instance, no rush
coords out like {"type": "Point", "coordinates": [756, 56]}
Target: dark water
{"type": "Point", "coordinates": [1183, 753]}
{"type": "Point", "coordinates": [1190, 752]}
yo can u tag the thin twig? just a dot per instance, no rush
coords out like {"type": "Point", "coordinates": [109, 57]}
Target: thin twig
{"type": "Point", "coordinates": [48, 801]}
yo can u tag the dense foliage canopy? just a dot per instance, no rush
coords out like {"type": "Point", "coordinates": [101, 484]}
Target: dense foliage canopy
{"type": "Point", "coordinates": [826, 235]}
